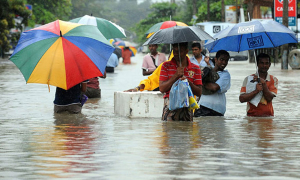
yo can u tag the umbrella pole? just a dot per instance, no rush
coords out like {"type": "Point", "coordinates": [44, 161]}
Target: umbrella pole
{"type": "Point", "coordinates": [255, 63]}
{"type": "Point", "coordinates": [179, 54]}
{"type": "Point", "coordinates": [256, 66]}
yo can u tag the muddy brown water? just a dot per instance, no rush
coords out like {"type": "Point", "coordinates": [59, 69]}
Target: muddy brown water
{"type": "Point", "coordinates": [35, 143]}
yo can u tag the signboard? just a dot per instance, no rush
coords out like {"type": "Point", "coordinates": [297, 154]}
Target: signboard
{"type": "Point", "coordinates": [230, 13]}
{"type": "Point", "coordinates": [29, 7]}
{"type": "Point", "coordinates": [292, 11]}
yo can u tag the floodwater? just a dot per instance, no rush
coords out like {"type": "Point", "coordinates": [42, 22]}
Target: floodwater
{"type": "Point", "coordinates": [37, 144]}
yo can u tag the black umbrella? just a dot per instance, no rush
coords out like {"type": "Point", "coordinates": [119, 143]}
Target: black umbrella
{"type": "Point", "coordinates": [178, 34]}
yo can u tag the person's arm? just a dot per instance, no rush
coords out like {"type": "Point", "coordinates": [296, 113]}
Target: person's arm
{"type": "Point", "coordinates": [214, 87]}
{"type": "Point", "coordinates": [104, 76]}
{"type": "Point", "coordinates": [136, 89]}
{"type": "Point", "coordinates": [196, 89]}
{"type": "Point", "coordinates": [266, 92]}
{"type": "Point", "coordinates": [165, 86]}
{"type": "Point", "coordinates": [206, 59]}
{"type": "Point", "coordinates": [221, 85]}
{"type": "Point", "coordinates": [147, 72]}
{"type": "Point", "coordinates": [83, 87]}
{"type": "Point", "coordinates": [246, 97]}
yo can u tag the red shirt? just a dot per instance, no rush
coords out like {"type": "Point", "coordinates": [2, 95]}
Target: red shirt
{"type": "Point", "coordinates": [192, 72]}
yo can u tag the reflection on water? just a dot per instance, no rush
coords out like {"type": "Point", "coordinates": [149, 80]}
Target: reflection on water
{"type": "Point", "coordinates": [68, 149]}
{"type": "Point", "coordinates": [37, 144]}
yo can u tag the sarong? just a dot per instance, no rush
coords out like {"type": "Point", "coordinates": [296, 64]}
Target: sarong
{"type": "Point", "coordinates": [183, 114]}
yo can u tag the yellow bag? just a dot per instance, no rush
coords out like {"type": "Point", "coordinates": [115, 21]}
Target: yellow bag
{"type": "Point", "coordinates": [192, 101]}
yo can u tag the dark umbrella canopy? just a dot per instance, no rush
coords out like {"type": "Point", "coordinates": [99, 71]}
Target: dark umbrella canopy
{"type": "Point", "coordinates": [118, 51]}
{"type": "Point", "coordinates": [178, 34]}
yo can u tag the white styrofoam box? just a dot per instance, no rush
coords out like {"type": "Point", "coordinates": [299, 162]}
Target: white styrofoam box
{"type": "Point", "coordinates": [138, 104]}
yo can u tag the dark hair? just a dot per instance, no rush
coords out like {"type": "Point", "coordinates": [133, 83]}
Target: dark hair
{"type": "Point", "coordinates": [220, 52]}
{"type": "Point", "coordinates": [196, 44]}
{"type": "Point", "coordinates": [182, 44]}
{"type": "Point", "coordinates": [262, 55]}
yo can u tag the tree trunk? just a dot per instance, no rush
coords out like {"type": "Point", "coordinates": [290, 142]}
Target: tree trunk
{"type": "Point", "coordinates": [223, 11]}
{"type": "Point", "coordinates": [195, 10]}
{"type": "Point", "coordinates": [208, 10]}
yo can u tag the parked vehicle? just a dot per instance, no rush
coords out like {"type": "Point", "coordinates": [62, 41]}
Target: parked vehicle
{"type": "Point", "coordinates": [212, 28]}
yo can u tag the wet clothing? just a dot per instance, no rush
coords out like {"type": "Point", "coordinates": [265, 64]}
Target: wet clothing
{"type": "Point", "coordinates": [68, 100]}
{"type": "Point", "coordinates": [204, 111]}
{"type": "Point", "coordinates": [264, 108]}
{"type": "Point", "coordinates": [93, 93]}
{"type": "Point", "coordinates": [182, 114]}
{"type": "Point", "coordinates": [72, 108]}
{"type": "Point", "coordinates": [191, 72]}
{"type": "Point", "coordinates": [93, 90]}
{"type": "Point", "coordinates": [151, 62]}
{"type": "Point", "coordinates": [217, 100]}
{"type": "Point", "coordinates": [126, 54]}
{"type": "Point", "coordinates": [67, 97]}
{"type": "Point", "coordinates": [113, 61]}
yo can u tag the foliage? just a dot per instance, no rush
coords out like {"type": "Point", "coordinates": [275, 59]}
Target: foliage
{"type": "Point", "coordinates": [9, 10]}
{"type": "Point", "coordinates": [124, 13]}
{"type": "Point", "coordinates": [160, 12]}
{"type": "Point", "coordinates": [215, 9]}
{"type": "Point", "coordinates": [47, 11]}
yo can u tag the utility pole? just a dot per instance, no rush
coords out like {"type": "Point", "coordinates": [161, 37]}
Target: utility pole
{"type": "Point", "coordinates": [285, 47]}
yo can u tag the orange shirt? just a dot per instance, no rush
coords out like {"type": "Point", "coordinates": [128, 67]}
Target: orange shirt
{"type": "Point", "coordinates": [264, 108]}
{"type": "Point", "coordinates": [126, 54]}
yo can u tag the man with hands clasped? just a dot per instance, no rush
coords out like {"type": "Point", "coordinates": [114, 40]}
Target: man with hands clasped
{"type": "Point", "coordinates": [259, 99]}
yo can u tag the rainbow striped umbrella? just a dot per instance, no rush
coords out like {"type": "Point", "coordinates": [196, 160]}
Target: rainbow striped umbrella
{"type": "Point", "coordinates": [122, 44]}
{"type": "Point", "coordinates": [163, 25]}
{"type": "Point", "coordinates": [62, 54]}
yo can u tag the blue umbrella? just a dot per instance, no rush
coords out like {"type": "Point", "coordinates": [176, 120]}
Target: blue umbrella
{"type": "Point", "coordinates": [251, 35]}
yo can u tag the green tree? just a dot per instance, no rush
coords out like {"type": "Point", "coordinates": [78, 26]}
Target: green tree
{"type": "Point", "coordinates": [9, 11]}
{"type": "Point", "coordinates": [214, 9]}
{"type": "Point", "coordinates": [125, 13]}
{"type": "Point", "coordinates": [47, 11]}
{"type": "Point", "coordinates": [160, 12]}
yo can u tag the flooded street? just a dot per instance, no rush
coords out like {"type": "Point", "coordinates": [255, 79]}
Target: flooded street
{"type": "Point", "coordinates": [35, 143]}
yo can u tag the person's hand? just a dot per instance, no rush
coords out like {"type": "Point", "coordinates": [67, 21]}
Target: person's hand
{"type": "Point", "coordinates": [255, 78]}
{"type": "Point", "coordinates": [206, 59]}
{"type": "Point", "coordinates": [262, 81]}
{"type": "Point", "coordinates": [180, 72]}
{"type": "Point", "coordinates": [182, 78]}
{"type": "Point", "coordinates": [259, 87]}
{"type": "Point", "coordinates": [132, 90]}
